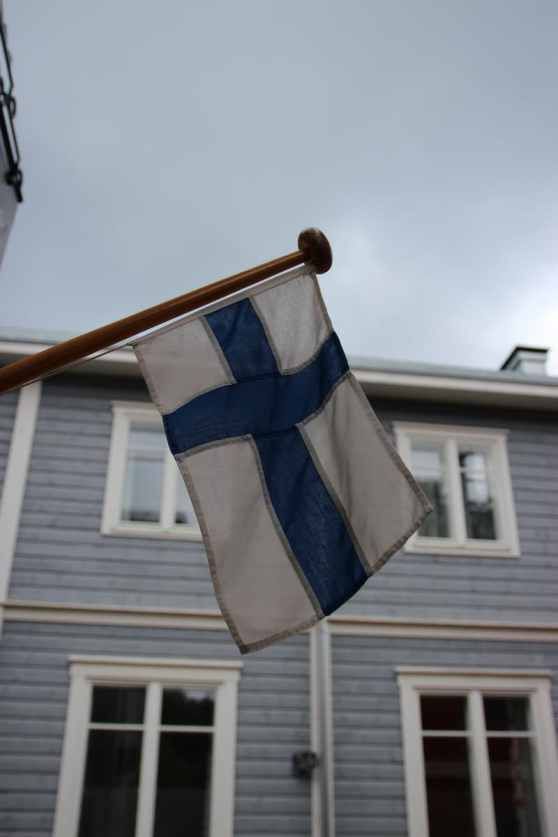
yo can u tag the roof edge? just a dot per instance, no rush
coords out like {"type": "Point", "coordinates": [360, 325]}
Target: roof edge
{"type": "Point", "coordinates": [379, 378]}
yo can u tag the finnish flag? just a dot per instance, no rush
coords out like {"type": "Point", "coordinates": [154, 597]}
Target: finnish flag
{"type": "Point", "coordinates": [299, 494]}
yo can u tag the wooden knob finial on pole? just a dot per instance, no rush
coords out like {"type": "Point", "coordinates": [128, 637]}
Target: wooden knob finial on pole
{"type": "Point", "coordinates": [316, 249]}
{"type": "Point", "coordinates": [313, 248]}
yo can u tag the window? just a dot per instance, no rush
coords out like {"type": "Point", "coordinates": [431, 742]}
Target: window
{"type": "Point", "coordinates": [148, 749]}
{"type": "Point", "coordinates": [145, 493]}
{"type": "Point", "coordinates": [480, 753]}
{"type": "Point", "coordinates": [465, 474]}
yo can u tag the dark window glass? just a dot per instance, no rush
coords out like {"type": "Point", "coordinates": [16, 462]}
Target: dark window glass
{"type": "Point", "coordinates": [448, 787]}
{"type": "Point", "coordinates": [513, 787]}
{"type": "Point", "coordinates": [443, 712]}
{"type": "Point", "coordinates": [118, 705]}
{"type": "Point", "coordinates": [182, 804]}
{"type": "Point", "coordinates": [429, 471]}
{"type": "Point", "coordinates": [187, 707]}
{"type": "Point", "coordinates": [110, 793]}
{"type": "Point", "coordinates": [505, 713]}
{"type": "Point", "coordinates": [479, 504]}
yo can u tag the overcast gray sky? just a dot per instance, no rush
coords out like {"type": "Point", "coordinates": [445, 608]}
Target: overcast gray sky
{"type": "Point", "coordinates": [168, 144]}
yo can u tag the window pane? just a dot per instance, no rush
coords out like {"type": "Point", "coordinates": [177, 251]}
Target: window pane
{"type": "Point", "coordinates": [182, 804]}
{"type": "Point", "coordinates": [429, 471]}
{"type": "Point", "coordinates": [479, 504]}
{"type": "Point", "coordinates": [448, 787]}
{"type": "Point", "coordinates": [443, 712]}
{"type": "Point", "coordinates": [184, 508]}
{"type": "Point", "coordinates": [513, 787]}
{"type": "Point", "coordinates": [118, 705]}
{"type": "Point", "coordinates": [141, 498]}
{"type": "Point", "coordinates": [149, 439]}
{"type": "Point", "coordinates": [110, 792]}
{"type": "Point", "coordinates": [188, 707]}
{"type": "Point", "coordinates": [505, 713]}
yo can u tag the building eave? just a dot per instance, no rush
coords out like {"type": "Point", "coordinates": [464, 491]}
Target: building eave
{"type": "Point", "coordinates": [397, 382]}
{"type": "Point", "coordinates": [456, 390]}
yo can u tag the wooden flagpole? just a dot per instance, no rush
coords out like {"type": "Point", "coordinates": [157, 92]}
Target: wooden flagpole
{"type": "Point", "coordinates": [313, 248]}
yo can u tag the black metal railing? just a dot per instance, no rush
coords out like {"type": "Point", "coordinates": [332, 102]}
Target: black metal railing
{"type": "Point", "coordinates": [13, 174]}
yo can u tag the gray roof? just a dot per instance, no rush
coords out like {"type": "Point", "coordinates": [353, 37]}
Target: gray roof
{"type": "Point", "coordinates": [439, 370]}
{"type": "Point", "coordinates": [365, 364]}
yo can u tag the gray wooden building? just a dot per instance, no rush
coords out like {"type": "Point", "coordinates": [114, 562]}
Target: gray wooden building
{"type": "Point", "coordinates": [430, 698]}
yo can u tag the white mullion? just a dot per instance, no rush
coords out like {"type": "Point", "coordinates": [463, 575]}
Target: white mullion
{"type": "Point", "coordinates": [413, 756]}
{"type": "Point", "coordinates": [116, 475]}
{"type": "Point", "coordinates": [480, 768]}
{"type": "Point", "coordinates": [457, 511]}
{"type": "Point", "coordinates": [223, 761]}
{"type": "Point", "coordinates": [405, 448]}
{"type": "Point", "coordinates": [500, 487]}
{"type": "Point", "coordinates": [545, 758]}
{"type": "Point", "coordinates": [149, 759]}
{"type": "Point", "coordinates": [185, 728]}
{"type": "Point", "coordinates": [442, 733]}
{"type": "Point", "coordinates": [117, 727]}
{"type": "Point", "coordinates": [168, 493]}
{"type": "Point", "coordinates": [509, 734]}
{"type": "Point", "coordinates": [72, 774]}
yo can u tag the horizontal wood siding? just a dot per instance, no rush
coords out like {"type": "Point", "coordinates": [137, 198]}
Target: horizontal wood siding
{"type": "Point", "coordinates": [516, 589]}
{"type": "Point", "coordinates": [8, 405]}
{"type": "Point", "coordinates": [273, 720]}
{"type": "Point", "coordinates": [369, 778]}
{"type": "Point", "coordinates": [61, 554]}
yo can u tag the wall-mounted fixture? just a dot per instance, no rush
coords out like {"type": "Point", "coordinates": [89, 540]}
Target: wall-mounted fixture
{"type": "Point", "coordinates": [304, 763]}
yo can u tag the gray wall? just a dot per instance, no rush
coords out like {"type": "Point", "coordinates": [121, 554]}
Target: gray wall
{"type": "Point", "coordinates": [273, 719]}
{"type": "Point", "coordinates": [370, 789]}
{"type": "Point", "coordinates": [8, 405]}
{"type": "Point", "coordinates": [61, 555]}
{"type": "Point", "coordinates": [515, 589]}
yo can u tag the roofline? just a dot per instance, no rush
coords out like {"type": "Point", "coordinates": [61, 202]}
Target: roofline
{"type": "Point", "coordinates": [508, 390]}
{"type": "Point", "coordinates": [458, 390]}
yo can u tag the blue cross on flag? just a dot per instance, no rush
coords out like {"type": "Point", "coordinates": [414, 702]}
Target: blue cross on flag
{"type": "Point", "coordinates": [299, 494]}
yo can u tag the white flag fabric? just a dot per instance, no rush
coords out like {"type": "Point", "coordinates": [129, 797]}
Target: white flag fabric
{"type": "Point", "coordinates": [299, 494]}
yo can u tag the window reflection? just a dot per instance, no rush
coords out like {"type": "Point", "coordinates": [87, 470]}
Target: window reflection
{"type": "Point", "coordinates": [506, 713]}
{"type": "Point", "coordinates": [183, 781]}
{"type": "Point", "coordinates": [118, 705]}
{"type": "Point", "coordinates": [187, 707]}
{"type": "Point", "coordinates": [479, 503]}
{"type": "Point", "coordinates": [513, 787]}
{"type": "Point", "coordinates": [448, 787]}
{"type": "Point", "coordinates": [429, 471]}
{"type": "Point", "coordinates": [144, 474]}
{"type": "Point", "coordinates": [443, 712]}
{"type": "Point", "coordinates": [110, 791]}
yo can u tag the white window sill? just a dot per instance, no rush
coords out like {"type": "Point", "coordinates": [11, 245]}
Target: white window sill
{"type": "Point", "coordinates": [139, 530]}
{"type": "Point", "coordinates": [470, 550]}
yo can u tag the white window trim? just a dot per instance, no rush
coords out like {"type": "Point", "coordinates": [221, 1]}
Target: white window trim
{"type": "Point", "coordinates": [124, 413]}
{"type": "Point", "coordinates": [15, 480]}
{"type": "Point", "coordinates": [413, 681]}
{"type": "Point", "coordinates": [85, 672]}
{"type": "Point", "coordinates": [495, 441]}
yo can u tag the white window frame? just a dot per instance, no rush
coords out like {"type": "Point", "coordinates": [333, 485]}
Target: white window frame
{"type": "Point", "coordinates": [124, 413]}
{"type": "Point", "coordinates": [494, 444]}
{"type": "Point", "coordinates": [535, 685]}
{"type": "Point", "coordinates": [86, 672]}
